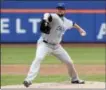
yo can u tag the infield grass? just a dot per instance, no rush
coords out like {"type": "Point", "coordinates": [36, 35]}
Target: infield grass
{"type": "Point", "coordinates": [18, 79]}
{"type": "Point", "coordinates": [79, 55]}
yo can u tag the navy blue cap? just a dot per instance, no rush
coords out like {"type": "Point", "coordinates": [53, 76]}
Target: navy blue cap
{"type": "Point", "coordinates": [61, 6]}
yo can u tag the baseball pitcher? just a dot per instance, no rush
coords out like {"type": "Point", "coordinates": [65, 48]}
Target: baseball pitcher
{"type": "Point", "coordinates": [53, 27]}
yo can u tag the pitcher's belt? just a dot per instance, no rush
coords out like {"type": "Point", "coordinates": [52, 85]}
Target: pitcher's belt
{"type": "Point", "coordinates": [48, 42]}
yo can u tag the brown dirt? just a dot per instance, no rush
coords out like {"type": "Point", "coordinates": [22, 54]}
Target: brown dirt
{"type": "Point", "coordinates": [53, 69]}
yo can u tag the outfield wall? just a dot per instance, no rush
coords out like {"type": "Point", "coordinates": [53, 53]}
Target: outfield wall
{"type": "Point", "coordinates": [20, 20]}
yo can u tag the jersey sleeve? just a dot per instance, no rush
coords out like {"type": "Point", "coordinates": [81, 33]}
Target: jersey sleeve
{"type": "Point", "coordinates": [47, 17]}
{"type": "Point", "coordinates": [70, 24]}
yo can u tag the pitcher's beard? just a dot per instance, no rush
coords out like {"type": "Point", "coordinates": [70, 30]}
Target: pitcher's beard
{"type": "Point", "coordinates": [60, 15]}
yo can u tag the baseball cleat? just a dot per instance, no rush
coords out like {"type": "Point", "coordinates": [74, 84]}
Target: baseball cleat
{"type": "Point", "coordinates": [78, 82]}
{"type": "Point", "coordinates": [26, 83]}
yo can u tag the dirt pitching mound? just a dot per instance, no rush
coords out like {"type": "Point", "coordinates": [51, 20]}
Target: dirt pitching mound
{"type": "Point", "coordinates": [56, 86]}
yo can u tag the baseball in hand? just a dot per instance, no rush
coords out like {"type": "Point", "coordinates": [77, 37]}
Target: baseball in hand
{"type": "Point", "coordinates": [83, 34]}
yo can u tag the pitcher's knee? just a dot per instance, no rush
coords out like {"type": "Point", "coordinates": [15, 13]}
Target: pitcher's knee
{"type": "Point", "coordinates": [40, 58]}
{"type": "Point", "coordinates": [69, 62]}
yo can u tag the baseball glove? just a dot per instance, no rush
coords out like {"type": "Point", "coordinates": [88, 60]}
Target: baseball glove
{"type": "Point", "coordinates": [45, 27]}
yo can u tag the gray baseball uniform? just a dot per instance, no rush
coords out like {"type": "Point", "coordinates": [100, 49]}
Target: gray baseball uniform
{"type": "Point", "coordinates": [50, 44]}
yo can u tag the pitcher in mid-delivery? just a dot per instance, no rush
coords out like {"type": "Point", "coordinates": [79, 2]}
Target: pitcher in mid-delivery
{"type": "Point", "coordinates": [53, 26]}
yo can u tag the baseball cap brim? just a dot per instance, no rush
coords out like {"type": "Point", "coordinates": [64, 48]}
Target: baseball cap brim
{"type": "Point", "coordinates": [62, 8]}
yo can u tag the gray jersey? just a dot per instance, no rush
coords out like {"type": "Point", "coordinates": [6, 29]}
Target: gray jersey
{"type": "Point", "coordinates": [58, 28]}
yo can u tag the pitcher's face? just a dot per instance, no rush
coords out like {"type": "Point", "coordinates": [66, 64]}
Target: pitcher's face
{"type": "Point", "coordinates": [61, 12]}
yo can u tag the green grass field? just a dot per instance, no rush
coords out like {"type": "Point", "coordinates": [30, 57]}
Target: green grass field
{"type": "Point", "coordinates": [25, 55]}
{"type": "Point", "coordinates": [79, 55]}
{"type": "Point", "coordinates": [18, 79]}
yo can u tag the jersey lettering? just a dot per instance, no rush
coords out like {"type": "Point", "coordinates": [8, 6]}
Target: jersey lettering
{"type": "Point", "coordinates": [59, 28]}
